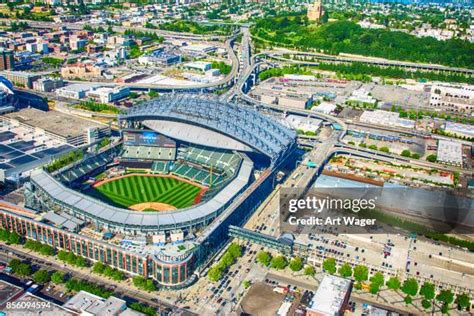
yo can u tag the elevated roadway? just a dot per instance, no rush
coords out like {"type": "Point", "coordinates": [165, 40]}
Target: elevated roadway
{"type": "Point", "coordinates": [381, 62]}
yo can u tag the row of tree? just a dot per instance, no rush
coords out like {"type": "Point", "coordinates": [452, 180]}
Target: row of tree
{"type": "Point", "coordinates": [10, 237]}
{"type": "Point", "coordinates": [358, 68]}
{"type": "Point", "coordinates": [280, 262]}
{"type": "Point", "coordinates": [39, 247]}
{"type": "Point", "coordinates": [216, 272]}
{"type": "Point", "coordinates": [278, 72]}
{"type": "Point", "coordinates": [107, 271]}
{"type": "Point", "coordinates": [410, 287]}
{"type": "Point", "coordinates": [144, 283]}
{"type": "Point", "coordinates": [72, 259]}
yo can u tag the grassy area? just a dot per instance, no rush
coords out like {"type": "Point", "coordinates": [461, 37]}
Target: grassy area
{"type": "Point", "coordinates": [137, 189]}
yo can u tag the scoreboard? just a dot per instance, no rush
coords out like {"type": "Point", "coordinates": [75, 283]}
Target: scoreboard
{"type": "Point", "coordinates": [147, 138]}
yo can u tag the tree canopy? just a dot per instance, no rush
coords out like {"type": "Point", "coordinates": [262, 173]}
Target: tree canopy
{"type": "Point", "coordinates": [348, 37]}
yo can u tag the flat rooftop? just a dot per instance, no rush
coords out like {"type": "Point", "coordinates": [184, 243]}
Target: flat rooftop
{"type": "Point", "coordinates": [53, 122]}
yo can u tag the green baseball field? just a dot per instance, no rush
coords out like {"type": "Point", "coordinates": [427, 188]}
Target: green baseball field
{"type": "Point", "coordinates": [142, 190]}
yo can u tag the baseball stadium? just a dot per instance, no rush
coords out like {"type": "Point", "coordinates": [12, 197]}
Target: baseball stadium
{"type": "Point", "coordinates": [159, 200]}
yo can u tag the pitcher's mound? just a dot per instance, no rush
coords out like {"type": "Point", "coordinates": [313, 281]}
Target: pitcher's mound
{"type": "Point", "coordinates": [151, 207]}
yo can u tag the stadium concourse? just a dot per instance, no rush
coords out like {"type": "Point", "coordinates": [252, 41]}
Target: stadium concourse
{"type": "Point", "coordinates": [213, 162]}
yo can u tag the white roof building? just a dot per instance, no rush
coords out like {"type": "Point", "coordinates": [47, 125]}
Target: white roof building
{"type": "Point", "coordinates": [450, 152]}
{"type": "Point", "coordinates": [199, 65]}
{"type": "Point", "coordinates": [459, 129]}
{"type": "Point", "coordinates": [299, 77]}
{"type": "Point", "coordinates": [88, 304]}
{"type": "Point", "coordinates": [324, 107]}
{"type": "Point", "coordinates": [363, 96]}
{"type": "Point", "coordinates": [331, 297]}
{"type": "Point", "coordinates": [386, 118]}
{"type": "Point", "coordinates": [306, 124]}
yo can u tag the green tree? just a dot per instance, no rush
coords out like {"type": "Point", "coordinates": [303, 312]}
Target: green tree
{"type": "Point", "coordinates": [57, 277]}
{"type": "Point", "coordinates": [427, 290]}
{"type": "Point", "coordinates": [445, 309]}
{"type": "Point", "coordinates": [309, 270]}
{"type": "Point", "coordinates": [408, 299]}
{"type": "Point", "coordinates": [410, 286]}
{"type": "Point", "coordinates": [80, 262]}
{"type": "Point", "coordinates": [14, 238]}
{"type": "Point", "coordinates": [235, 250]}
{"type": "Point", "coordinates": [144, 284]}
{"type": "Point", "coordinates": [279, 263]}
{"type": "Point", "coordinates": [432, 158]}
{"type": "Point", "coordinates": [296, 264]}
{"type": "Point", "coordinates": [393, 283]}
{"type": "Point", "coordinates": [361, 273]}
{"type": "Point", "coordinates": [376, 282]}
{"type": "Point", "coordinates": [117, 275]}
{"type": "Point", "coordinates": [425, 303]}
{"type": "Point", "coordinates": [23, 269]}
{"type": "Point", "coordinates": [98, 267]}
{"type": "Point", "coordinates": [264, 258]}
{"type": "Point", "coordinates": [406, 153]}
{"type": "Point", "coordinates": [41, 276]}
{"type": "Point", "coordinates": [4, 234]}
{"type": "Point", "coordinates": [385, 149]}
{"type": "Point", "coordinates": [108, 271]}
{"type": "Point", "coordinates": [345, 270]}
{"type": "Point", "coordinates": [214, 274]}
{"type": "Point", "coordinates": [445, 296]}
{"type": "Point", "coordinates": [46, 250]}
{"type": "Point", "coordinates": [148, 310]}
{"type": "Point", "coordinates": [415, 156]}
{"type": "Point", "coordinates": [329, 265]}
{"type": "Point", "coordinates": [247, 284]}
{"type": "Point", "coordinates": [227, 259]}
{"type": "Point", "coordinates": [62, 255]}
{"type": "Point", "coordinates": [463, 301]}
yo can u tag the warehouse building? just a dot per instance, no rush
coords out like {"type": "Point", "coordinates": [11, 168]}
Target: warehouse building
{"type": "Point", "coordinates": [450, 152]}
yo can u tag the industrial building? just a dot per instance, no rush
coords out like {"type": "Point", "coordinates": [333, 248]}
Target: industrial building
{"type": "Point", "coordinates": [56, 125]}
{"type": "Point", "coordinates": [107, 95]}
{"type": "Point", "coordinates": [47, 84]}
{"type": "Point", "coordinates": [75, 91]}
{"type": "Point", "coordinates": [386, 118]}
{"type": "Point", "coordinates": [459, 129]}
{"type": "Point", "coordinates": [450, 152]}
{"type": "Point", "coordinates": [85, 303]}
{"type": "Point", "coordinates": [451, 98]}
{"type": "Point", "coordinates": [198, 65]}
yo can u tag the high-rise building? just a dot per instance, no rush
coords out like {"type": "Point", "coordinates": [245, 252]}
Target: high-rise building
{"type": "Point", "coordinates": [7, 60]}
{"type": "Point", "coordinates": [315, 11]}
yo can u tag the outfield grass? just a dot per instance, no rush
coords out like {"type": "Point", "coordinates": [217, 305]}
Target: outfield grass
{"type": "Point", "coordinates": [140, 189]}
